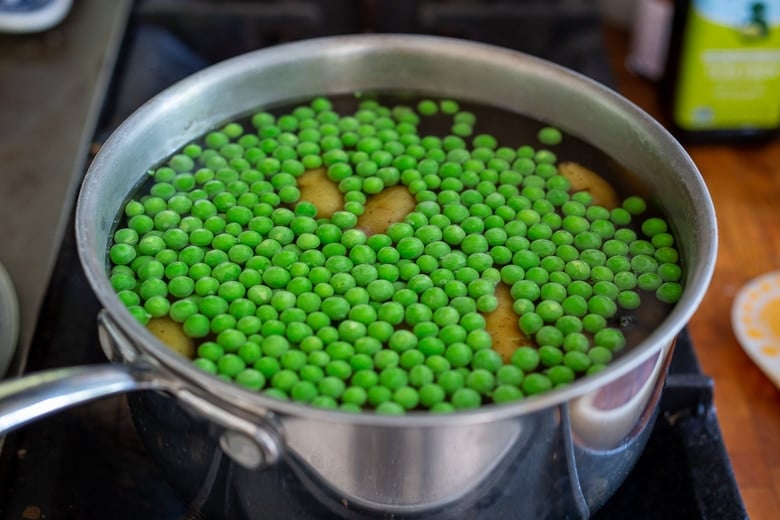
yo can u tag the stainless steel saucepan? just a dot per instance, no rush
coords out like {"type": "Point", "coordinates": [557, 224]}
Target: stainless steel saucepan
{"type": "Point", "coordinates": [567, 451]}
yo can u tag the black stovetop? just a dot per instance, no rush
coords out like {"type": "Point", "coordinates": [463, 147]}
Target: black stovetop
{"type": "Point", "coordinates": [89, 462]}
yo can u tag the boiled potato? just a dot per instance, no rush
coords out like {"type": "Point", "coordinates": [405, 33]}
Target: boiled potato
{"type": "Point", "coordinates": [317, 188]}
{"type": "Point", "coordinates": [583, 179]}
{"type": "Point", "coordinates": [503, 326]}
{"type": "Point", "coordinates": [171, 333]}
{"type": "Point", "coordinates": [385, 208]}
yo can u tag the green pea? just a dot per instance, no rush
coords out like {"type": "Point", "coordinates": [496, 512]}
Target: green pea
{"type": "Point", "coordinates": [629, 300]}
{"type": "Point", "coordinates": [602, 305]}
{"type": "Point", "coordinates": [152, 287]}
{"type": "Point", "coordinates": [549, 310]}
{"type": "Point", "coordinates": [354, 395]}
{"type": "Point", "coordinates": [380, 290]}
{"type": "Point", "coordinates": [609, 338]}
{"type": "Point", "coordinates": [600, 355]}
{"type": "Point", "coordinates": [576, 342]}
{"type": "Point", "coordinates": [641, 263]}
{"type": "Point", "coordinates": [593, 322]}
{"type": "Point", "coordinates": [251, 379]}
{"type": "Point", "coordinates": [402, 340]}
{"type": "Point", "coordinates": [509, 375]}
{"type": "Point", "coordinates": [530, 323]}
{"type": "Point", "coordinates": [407, 397]}
{"type": "Point", "coordinates": [365, 379]}
{"type": "Point", "coordinates": [393, 378]}
{"type": "Point", "coordinates": [420, 375]}
{"type": "Point", "coordinates": [350, 330]}
{"type": "Point", "coordinates": [431, 394]}
{"type": "Point", "coordinates": [669, 292]}
{"type": "Point", "coordinates": [577, 361]}
{"type": "Point", "coordinates": [197, 325]}
{"type": "Point", "coordinates": [525, 358]}
{"type": "Point", "coordinates": [466, 398]}
{"type": "Point", "coordinates": [625, 281]}
{"type": "Point", "coordinates": [230, 365]}
{"type": "Point", "coordinates": [653, 226]}
{"type": "Point", "coordinates": [560, 375]}
{"type": "Point", "coordinates": [550, 355]}
{"type": "Point", "coordinates": [339, 368]}
{"type": "Point", "coordinates": [129, 298]}
{"type": "Point", "coordinates": [568, 324]}
{"type": "Point", "coordinates": [669, 273]}
{"type": "Point", "coordinates": [480, 341]}
{"type": "Point", "coordinates": [139, 313]}
{"type": "Point", "coordinates": [389, 408]}
{"type": "Point", "coordinates": [506, 393]}
{"type": "Point", "coordinates": [648, 281]}
{"type": "Point", "coordinates": [536, 383]}
{"type": "Point", "coordinates": [331, 386]}
{"type": "Point", "coordinates": [206, 365]}
{"type": "Point", "coordinates": [525, 289]}
{"type": "Point", "coordinates": [605, 288]}
{"type": "Point", "coordinates": [450, 380]}
{"type": "Point", "coordinates": [380, 330]}
{"type": "Point", "coordinates": [481, 380]}
{"type": "Point", "coordinates": [157, 306]}
{"type": "Point", "coordinates": [122, 254]}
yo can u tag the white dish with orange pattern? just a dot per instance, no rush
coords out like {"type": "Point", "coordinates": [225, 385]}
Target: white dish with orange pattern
{"type": "Point", "coordinates": [755, 317]}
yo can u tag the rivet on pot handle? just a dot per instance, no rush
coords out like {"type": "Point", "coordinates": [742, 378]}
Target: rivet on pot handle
{"type": "Point", "coordinates": [251, 445]}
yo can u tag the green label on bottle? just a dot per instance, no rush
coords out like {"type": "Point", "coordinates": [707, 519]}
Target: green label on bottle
{"type": "Point", "coordinates": [729, 75]}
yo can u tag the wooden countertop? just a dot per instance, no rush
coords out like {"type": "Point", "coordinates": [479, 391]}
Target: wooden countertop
{"type": "Point", "coordinates": [52, 87]}
{"type": "Point", "coordinates": [744, 181]}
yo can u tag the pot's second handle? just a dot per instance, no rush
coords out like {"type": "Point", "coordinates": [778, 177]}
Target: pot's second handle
{"type": "Point", "coordinates": [37, 395]}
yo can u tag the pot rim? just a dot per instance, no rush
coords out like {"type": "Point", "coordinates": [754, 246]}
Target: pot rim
{"type": "Point", "coordinates": [233, 395]}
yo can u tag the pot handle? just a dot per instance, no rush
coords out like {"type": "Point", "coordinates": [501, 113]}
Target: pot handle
{"type": "Point", "coordinates": [37, 395]}
{"type": "Point", "coordinates": [253, 442]}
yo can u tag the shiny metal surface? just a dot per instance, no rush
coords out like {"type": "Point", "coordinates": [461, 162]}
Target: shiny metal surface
{"type": "Point", "coordinates": [538, 465]}
{"type": "Point", "coordinates": [421, 465]}
{"type": "Point", "coordinates": [29, 398]}
{"type": "Point", "coordinates": [9, 320]}
{"type": "Point", "coordinates": [569, 440]}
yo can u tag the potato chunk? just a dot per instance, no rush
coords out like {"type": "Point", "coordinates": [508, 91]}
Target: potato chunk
{"type": "Point", "coordinates": [317, 188]}
{"type": "Point", "coordinates": [171, 333]}
{"type": "Point", "coordinates": [583, 179]}
{"type": "Point", "coordinates": [503, 326]}
{"type": "Point", "coordinates": [385, 208]}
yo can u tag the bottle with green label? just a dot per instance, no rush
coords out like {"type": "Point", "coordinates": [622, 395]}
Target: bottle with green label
{"type": "Point", "coordinates": [723, 69]}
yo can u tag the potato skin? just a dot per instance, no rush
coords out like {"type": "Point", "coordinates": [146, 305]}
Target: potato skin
{"type": "Point", "coordinates": [172, 335]}
{"type": "Point", "coordinates": [583, 179]}
{"type": "Point", "coordinates": [317, 188]}
{"type": "Point", "coordinates": [385, 208]}
{"type": "Point", "coordinates": [503, 326]}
